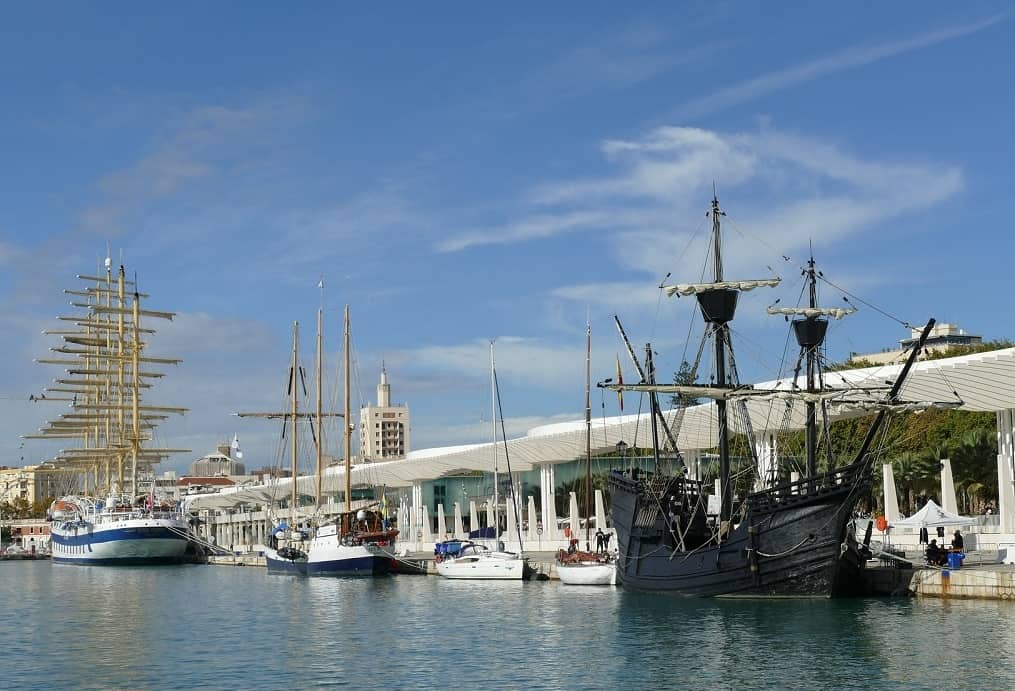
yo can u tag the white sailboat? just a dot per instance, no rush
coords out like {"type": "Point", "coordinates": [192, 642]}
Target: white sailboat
{"type": "Point", "coordinates": [473, 560]}
{"type": "Point", "coordinates": [118, 518]}
{"type": "Point", "coordinates": [338, 547]}
{"type": "Point", "coordinates": [577, 567]}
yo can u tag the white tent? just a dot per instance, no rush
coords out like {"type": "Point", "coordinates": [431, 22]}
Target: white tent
{"type": "Point", "coordinates": [933, 516]}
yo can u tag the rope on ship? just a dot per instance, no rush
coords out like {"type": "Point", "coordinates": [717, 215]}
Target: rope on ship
{"type": "Point", "coordinates": [789, 551]}
{"type": "Point", "coordinates": [193, 537]}
{"type": "Point", "coordinates": [401, 560]}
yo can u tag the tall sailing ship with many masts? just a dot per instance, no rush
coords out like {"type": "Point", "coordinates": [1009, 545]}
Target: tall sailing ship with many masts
{"type": "Point", "coordinates": [113, 515]}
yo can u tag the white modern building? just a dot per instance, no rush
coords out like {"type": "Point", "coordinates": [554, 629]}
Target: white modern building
{"type": "Point", "coordinates": [384, 428]}
{"type": "Point", "coordinates": [942, 337]}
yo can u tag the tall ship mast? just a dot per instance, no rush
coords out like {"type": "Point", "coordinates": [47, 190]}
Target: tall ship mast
{"type": "Point", "coordinates": [678, 532]}
{"type": "Point", "coordinates": [307, 544]}
{"type": "Point", "coordinates": [111, 468]}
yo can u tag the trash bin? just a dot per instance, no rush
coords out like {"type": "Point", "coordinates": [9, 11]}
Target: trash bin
{"type": "Point", "coordinates": [955, 560]}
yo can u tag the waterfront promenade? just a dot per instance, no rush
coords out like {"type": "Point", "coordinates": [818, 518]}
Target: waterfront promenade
{"type": "Point", "coordinates": [980, 577]}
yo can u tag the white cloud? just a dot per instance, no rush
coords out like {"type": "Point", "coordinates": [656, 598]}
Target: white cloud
{"type": "Point", "coordinates": [197, 144]}
{"type": "Point", "coordinates": [613, 295]}
{"type": "Point", "coordinates": [856, 56]}
{"type": "Point", "coordinates": [532, 227]}
{"type": "Point", "coordinates": [782, 190]}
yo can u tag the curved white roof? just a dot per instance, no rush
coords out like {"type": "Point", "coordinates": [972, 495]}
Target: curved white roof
{"type": "Point", "coordinates": [983, 382]}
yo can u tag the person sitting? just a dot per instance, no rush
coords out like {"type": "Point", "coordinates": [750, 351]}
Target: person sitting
{"type": "Point", "coordinates": [957, 542]}
{"type": "Point", "coordinates": [935, 555]}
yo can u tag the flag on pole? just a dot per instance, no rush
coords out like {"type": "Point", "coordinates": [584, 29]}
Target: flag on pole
{"type": "Point", "coordinates": [620, 382]}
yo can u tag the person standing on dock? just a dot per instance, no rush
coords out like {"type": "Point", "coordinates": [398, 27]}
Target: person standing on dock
{"type": "Point", "coordinates": [957, 542]}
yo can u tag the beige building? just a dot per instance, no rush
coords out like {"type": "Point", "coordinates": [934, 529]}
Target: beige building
{"type": "Point", "coordinates": [224, 462]}
{"type": "Point", "coordinates": [32, 483]}
{"type": "Point", "coordinates": [942, 337]}
{"type": "Point", "coordinates": [384, 428]}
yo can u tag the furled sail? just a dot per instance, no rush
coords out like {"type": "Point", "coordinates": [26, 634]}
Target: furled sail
{"type": "Point", "coordinates": [696, 288]}
{"type": "Point", "coordinates": [811, 312]}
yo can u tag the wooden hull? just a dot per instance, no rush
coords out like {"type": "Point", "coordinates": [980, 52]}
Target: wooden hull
{"type": "Point", "coordinates": [789, 544]}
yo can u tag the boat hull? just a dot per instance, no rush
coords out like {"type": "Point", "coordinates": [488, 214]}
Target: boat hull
{"type": "Point", "coordinates": [289, 567]}
{"type": "Point", "coordinates": [346, 560]}
{"type": "Point", "coordinates": [787, 545]}
{"type": "Point", "coordinates": [135, 541]}
{"type": "Point", "coordinates": [490, 567]}
{"type": "Point", "coordinates": [332, 560]}
{"type": "Point", "coordinates": [587, 574]}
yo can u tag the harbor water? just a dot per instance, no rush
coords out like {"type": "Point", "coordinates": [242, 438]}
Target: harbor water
{"type": "Point", "coordinates": [67, 626]}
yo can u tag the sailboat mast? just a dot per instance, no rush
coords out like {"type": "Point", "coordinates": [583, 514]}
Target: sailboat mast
{"type": "Point", "coordinates": [811, 423]}
{"type": "Point", "coordinates": [294, 400]}
{"type": "Point", "coordinates": [726, 492]}
{"type": "Point", "coordinates": [345, 420]}
{"type": "Point", "coordinates": [120, 337]}
{"type": "Point", "coordinates": [493, 429]}
{"type": "Point", "coordinates": [135, 412]}
{"type": "Point", "coordinates": [320, 427]}
{"type": "Point", "coordinates": [588, 432]}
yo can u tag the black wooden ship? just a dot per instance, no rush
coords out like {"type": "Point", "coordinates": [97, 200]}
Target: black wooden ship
{"type": "Point", "coordinates": [793, 539]}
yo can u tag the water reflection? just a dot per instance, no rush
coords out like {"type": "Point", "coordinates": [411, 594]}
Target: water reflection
{"type": "Point", "coordinates": [220, 627]}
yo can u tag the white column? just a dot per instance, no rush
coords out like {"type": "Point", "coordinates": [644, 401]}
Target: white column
{"type": "Point", "coordinates": [600, 511]}
{"type": "Point", "coordinates": [531, 534]}
{"type": "Point", "coordinates": [547, 501]}
{"type": "Point", "coordinates": [490, 522]}
{"type": "Point", "coordinates": [425, 525]}
{"type": "Point", "coordinates": [442, 527]}
{"type": "Point", "coordinates": [459, 524]}
{"type": "Point", "coordinates": [576, 531]}
{"type": "Point", "coordinates": [1006, 469]}
{"type": "Point", "coordinates": [692, 459]}
{"type": "Point", "coordinates": [948, 502]}
{"type": "Point", "coordinates": [406, 532]}
{"type": "Point", "coordinates": [417, 514]}
{"type": "Point", "coordinates": [473, 516]}
{"type": "Point", "coordinates": [891, 497]}
{"type": "Point", "coordinates": [767, 450]}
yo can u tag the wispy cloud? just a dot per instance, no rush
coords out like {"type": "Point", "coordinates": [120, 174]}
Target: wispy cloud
{"type": "Point", "coordinates": [856, 56]}
{"type": "Point", "coordinates": [529, 228]}
{"type": "Point", "coordinates": [621, 59]}
{"type": "Point", "coordinates": [533, 361]}
{"type": "Point", "coordinates": [196, 144]}
{"type": "Point", "coordinates": [791, 187]}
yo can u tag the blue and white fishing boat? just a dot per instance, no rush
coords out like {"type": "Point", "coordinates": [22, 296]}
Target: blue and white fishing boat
{"type": "Point", "coordinates": [111, 514]}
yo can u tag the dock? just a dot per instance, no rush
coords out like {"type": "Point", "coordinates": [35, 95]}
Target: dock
{"type": "Point", "coordinates": [977, 580]}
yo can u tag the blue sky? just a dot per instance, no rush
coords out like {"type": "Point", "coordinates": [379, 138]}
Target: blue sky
{"type": "Point", "coordinates": [459, 172]}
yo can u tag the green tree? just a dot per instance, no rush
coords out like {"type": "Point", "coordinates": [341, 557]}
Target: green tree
{"type": "Point", "coordinates": [685, 376]}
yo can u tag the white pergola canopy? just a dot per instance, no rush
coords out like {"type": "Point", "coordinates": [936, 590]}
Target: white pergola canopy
{"type": "Point", "coordinates": [982, 382]}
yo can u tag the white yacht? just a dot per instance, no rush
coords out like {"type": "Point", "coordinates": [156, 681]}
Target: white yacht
{"type": "Point", "coordinates": [457, 559]}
